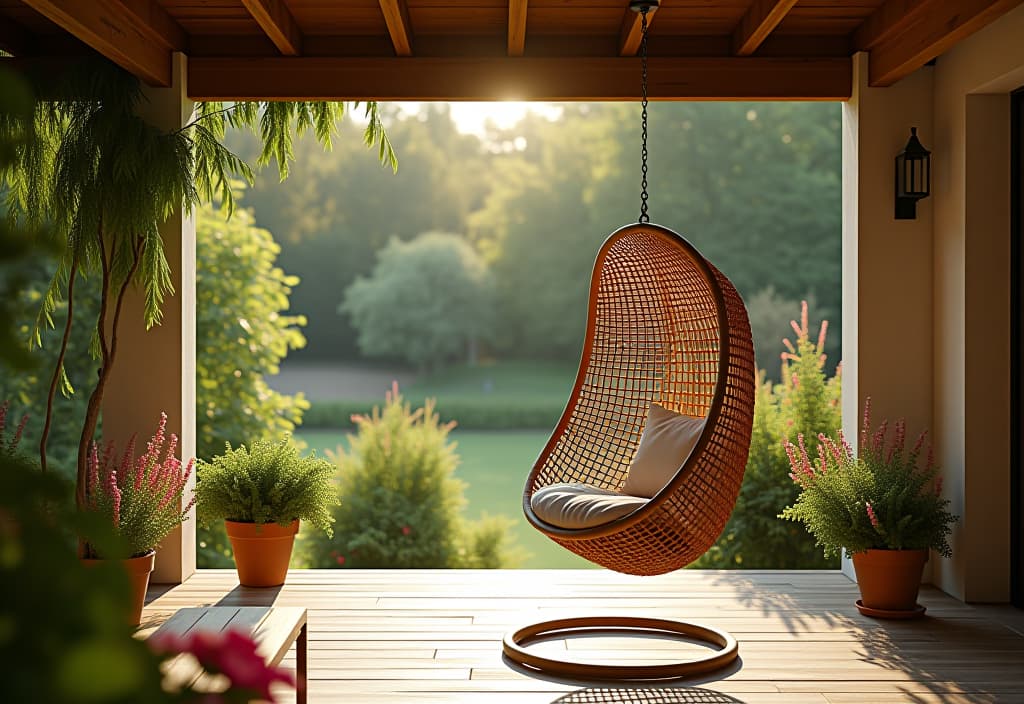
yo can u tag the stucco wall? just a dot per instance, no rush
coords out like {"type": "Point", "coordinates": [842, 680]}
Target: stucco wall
{"type": "Point", "coordinates": [887, 263]}
{"type": "Point", "coordinates": [971, 305]}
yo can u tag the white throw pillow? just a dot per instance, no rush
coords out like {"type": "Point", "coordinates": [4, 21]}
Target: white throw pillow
{"type": "Point", "coordinates": [576, 506]}
{"type": "Point", "coordinates": [667, 441]}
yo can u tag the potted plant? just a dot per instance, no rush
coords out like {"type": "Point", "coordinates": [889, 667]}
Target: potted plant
{"type": "Point", "coordinates": [141, 497]}
{"type": "Point", "coordinates": [261, 493]}
{"type": "Point", "coordinates": [880, 505]}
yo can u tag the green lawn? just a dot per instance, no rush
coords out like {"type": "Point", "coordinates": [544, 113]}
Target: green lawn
{"type": "Point", "coordinates": [494, 466]}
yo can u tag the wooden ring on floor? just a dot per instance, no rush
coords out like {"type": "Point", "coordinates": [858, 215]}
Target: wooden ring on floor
{"type": "Point", "coordinates": [515, 642]}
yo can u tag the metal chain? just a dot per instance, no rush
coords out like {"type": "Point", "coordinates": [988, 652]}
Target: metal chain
{"type": "Point", "coordinates": [644, 217]}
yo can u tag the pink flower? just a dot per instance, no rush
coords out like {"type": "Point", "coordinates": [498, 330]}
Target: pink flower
{"type": "Point", "coordinates": [821, 335]}
{"type": "Point", "coordinates": [406, 530]}
{"type": "Point", "coordinates": [340, 559]}
{"type": "Point", "coordinates": [232, 654]}
{"type": "Point", "coordinates": [871, 515]}
{"type": "Point", "coordinates": [17, 433]}
{"type": "Point", "coordinates": [115, 494]}
{"type": "Point", "coordinates": [866, 424]}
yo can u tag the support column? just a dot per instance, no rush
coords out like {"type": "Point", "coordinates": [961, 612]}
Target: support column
{"type": "Point", "coordinates": [156, 369]}
{"type": "Point", "coordinates": [887, 263]}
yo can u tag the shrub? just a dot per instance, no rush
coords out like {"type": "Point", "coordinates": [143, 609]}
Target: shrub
{"type": "Point", "coordinates": [267, 483]}
{"type": "Point", "coordinates": [879, 499]}
{"type": "Point", "coordinates": [805, 402]}
{"type": "Point", "coordinates": [140, 497]}
{"type": "Point", "coordinates": [402, 504]}
{"type": "Point", "coordinates": [243, 333]}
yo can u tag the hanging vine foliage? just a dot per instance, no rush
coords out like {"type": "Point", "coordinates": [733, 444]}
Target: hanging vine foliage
{"type": "Point", "coordinates": [102, 180]}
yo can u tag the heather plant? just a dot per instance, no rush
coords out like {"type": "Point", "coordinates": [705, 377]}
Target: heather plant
{"type": "Point", "coordinates": [141, 496]}
{"type": "Point", "coordinates": [805, 402]}
{"type": "Point", "coordinates": [402, 503]}
{"type": "Point", "coordinates": [878, 498]}
{"type": "Point", "coordinates": [267, 482]}
{"type": "Point", "coordinates": [10, 447]}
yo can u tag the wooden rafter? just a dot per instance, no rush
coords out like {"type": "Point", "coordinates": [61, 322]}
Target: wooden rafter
{"type": "Point", "coordinates": [160, 26]}
{"type": "Point", "coordinates": [396, 17]}
{"type": "Point", "coordinates": [277, 23]}
{"type": "Point", "coordinates": [110, 29]}
{"type": "Point", "coordinates": [524, 78]}
{"type": "Point", "coordinates": [757, 23]}
{"type": "Point", "coordinates": [631, 31]}
{"type": "Point", "coordinates": [891, 18]}
{"type": "Point", "coordinates": [517, 27]}
{"type": "Point", "coordinates": [934, 29]}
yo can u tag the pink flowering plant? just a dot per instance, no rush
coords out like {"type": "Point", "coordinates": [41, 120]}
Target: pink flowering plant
{"type": "Point", "coordinates": [882, 497]}
{"type": "Point", "coordinates": [232, 655]}
{"type": "Point", "coordinates": [10, 446]}
{"type": "Point", "coordinates": [140, 496]}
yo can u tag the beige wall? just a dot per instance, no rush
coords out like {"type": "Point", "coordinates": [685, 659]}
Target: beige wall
{"type": "Point", "coordinates": [155, 369]}
{"type": "Point", "coordinates": [887, 263]}
{"type": "Point", "coordinates": [971, 307]}
{"type": "Point", "coordinates": [926, 302]}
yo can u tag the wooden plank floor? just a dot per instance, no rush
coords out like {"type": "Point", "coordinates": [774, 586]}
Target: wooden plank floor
{"type": "Point", "coordinates": [410, 636]}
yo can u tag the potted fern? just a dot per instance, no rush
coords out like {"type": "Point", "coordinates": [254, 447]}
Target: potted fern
{"type": "Point", "coordinates": [880, 505]}
{"type": "Point", "coordinates": [141, 498]}
{"type": "Point", "coordinates": [261, 493]}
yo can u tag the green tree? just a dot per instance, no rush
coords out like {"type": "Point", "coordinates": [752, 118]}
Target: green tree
{"type": "Point", "coordinates": [401, 505]}
{"type": "Point", "coordinates": [337, 210]}
{"type": "Point", "coordinates": [243, 333]}
{"type": "Point", "coordinates": [104, 180]}
{"type": "Point", "coordinates": [805, 403]}
{"type": "Point", "coordinates": [428, 302]}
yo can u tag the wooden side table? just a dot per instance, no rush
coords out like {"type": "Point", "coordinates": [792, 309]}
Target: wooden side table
{"type": "Point", "coordinates": [273, 628]}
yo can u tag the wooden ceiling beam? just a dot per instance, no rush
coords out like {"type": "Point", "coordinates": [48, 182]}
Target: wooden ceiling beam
{"type": "Point", "coordinates": [520, 78]}
{"type": "Point", "coordinates": [517, 27]}
{"type": "Point", "coordinates": [757, 23]}
{"type": "Point", "coordinates": [891, 18]}
{"type": "Point", "coordinates": [277, 23]}
{"type": "Point", "coordinates": [396, 17]}
{"type": "Point", "coordinates": [161, 27]}
{"type": "Point", "coordinates": [631, 31]}
{"type": "Point", "coordinates": [109, 28]}
{"type": "Point", "coordinates": [943, 24]}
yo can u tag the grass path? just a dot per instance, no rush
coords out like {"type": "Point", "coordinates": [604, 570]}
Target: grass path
{"type": "Point", "coordinates": [494, 466]}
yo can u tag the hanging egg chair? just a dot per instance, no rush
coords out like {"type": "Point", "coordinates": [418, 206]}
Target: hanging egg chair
{"type": "Point", "coordinates": [644, 467]}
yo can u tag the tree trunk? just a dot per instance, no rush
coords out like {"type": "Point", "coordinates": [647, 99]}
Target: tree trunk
{"type": "Point", "coordinates": [58, 368]}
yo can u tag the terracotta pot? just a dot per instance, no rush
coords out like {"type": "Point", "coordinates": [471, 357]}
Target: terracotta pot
{"type": "Point", "coordinates": [889, 579]}
{"type": "Point", "coordinates": [138, 570]}
{"type": "Point", "coordinates": [262, 551]}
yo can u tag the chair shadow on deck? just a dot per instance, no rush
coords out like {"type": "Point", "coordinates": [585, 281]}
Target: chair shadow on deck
{"type": "Point", "coordinates": [647, 695]}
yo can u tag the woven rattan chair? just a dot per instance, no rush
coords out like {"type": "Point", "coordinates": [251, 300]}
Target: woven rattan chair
{"type": "Point", "coordinates": [664, 326]}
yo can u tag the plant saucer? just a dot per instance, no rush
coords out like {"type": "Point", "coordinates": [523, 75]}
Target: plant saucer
{"type": "Point", "coordinates": [915, 612]}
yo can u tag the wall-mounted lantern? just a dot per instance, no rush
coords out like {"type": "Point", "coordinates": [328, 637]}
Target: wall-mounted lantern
{"type": "Point", "coordinates": [913, 177]}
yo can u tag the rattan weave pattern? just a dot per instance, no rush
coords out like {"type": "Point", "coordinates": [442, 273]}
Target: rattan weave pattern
{"type": "Point", "coordinates": [666, 326]}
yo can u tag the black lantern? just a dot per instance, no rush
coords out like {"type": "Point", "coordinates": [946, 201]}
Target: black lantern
{"type": "Point", "coordinates": [913, 177]}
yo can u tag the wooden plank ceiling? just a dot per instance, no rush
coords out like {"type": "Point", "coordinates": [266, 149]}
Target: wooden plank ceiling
{"type": "Point", "coordinates": [499, 49]}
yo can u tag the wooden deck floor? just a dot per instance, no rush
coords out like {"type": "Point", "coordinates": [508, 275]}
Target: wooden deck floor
{"type": "Point", "coordinates": [409, 636]}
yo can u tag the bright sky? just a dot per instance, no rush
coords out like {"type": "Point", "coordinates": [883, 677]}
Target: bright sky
{"type": "Point", "coordinates": [472, 117]}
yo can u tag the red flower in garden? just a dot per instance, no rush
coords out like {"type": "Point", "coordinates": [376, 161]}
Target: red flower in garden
{"type": "Point", "coordinates": [406, 530]}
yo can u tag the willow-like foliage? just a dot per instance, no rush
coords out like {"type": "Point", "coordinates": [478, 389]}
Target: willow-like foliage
{"type": "Point", "coordinates": [102, 180]}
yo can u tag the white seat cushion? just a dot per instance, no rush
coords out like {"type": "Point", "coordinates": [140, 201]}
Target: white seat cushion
{"type": "Point", "coordinates": [666, 443]}
{"type": "Point", "coordinates": [581, 505]}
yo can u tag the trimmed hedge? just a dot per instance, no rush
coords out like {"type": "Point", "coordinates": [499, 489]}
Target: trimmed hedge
{"type": "Point", "coordinates": [468, 413]}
